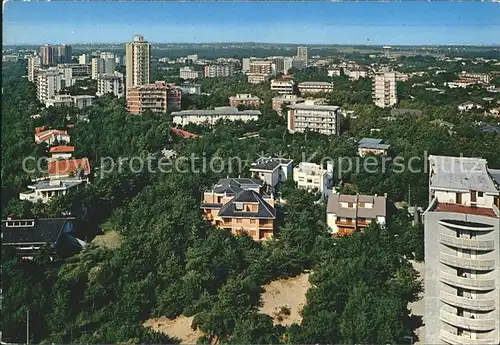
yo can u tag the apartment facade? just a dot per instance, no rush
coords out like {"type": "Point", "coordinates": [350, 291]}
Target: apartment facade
{"type": "Point", "coordinates": [110, 83]}
{"type": "Point", "coordinates": [34, 63]}
{"type": "Point", "coordinates": [84, 59]}
{"type": "Point", "coordinates": [462, 252]}
{"type": "Point", "coordinates": [346, 214]}
{"type": "Point", "coordinates": [282, 86]}
{"type": "Point", "coordinates": [373, 146]}
{"type": "Point", "coordinates": [102, 66]}
{"type": "Point", "coordinates": [210, 117]}
{"type": "Point", "coordinates": [49, 82]}
{"type": "Point", "coordinates": [219, 70]}
{"type": "Point", "coordinates": [48, 55]}
{"type": "Point", "coordinates": [138, 55]}
{"type": "Point", "coordinates": [324, 119]}
{"type": "Point", "coordinates": [261, 67]}
{"type": "Point", "coordinates": [245, 99]}
{"type": "Point", "coordinates": [64, 53]}
{"type": "Point", "coordinates": [313, 177]}
{"type": "Point", "coordinates": [256, 78]}
{"type": "Point", "coordinates": [190, 88]}
{"type": "Point", "coordinates": [384, 89]}
{"type": "Point", "coordinates": [315, 87]}
{"type": "Point", "coordinates": [240, 206]}
{"type": "Point", "coordinates": [188, 73]}
{"type": "Point", "coordinates": [302, 54]}
{"type": "Point", "coordinates": [158, 97]}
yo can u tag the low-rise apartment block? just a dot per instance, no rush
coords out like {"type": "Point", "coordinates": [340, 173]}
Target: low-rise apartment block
{"type": "Point", "coordinates": [483, 78]}
{"type": "Point", "coordinates": [82, 101]}
{"type": "Point", "coordinates": [188, 73]}
{"type": "Point", "coordinates": [272, 170]}
{"type": "Point", "coordinates": [315, 87]}
{"type": "Point", "coordinates": [279, 101]}
{"type": "Point", "coordinates": [240, 206]}
{"type": "Point", "coordinates": [313, 177]}
{"type": "Point", "coordinates": [462, 252]}
{"type": "Point", "coordinates": [52, 136]}
{"type": "Point", "coordinates": [158, 97]}
{"type": "Point", "coordinates": [346, 214]}
{"type": "Point", "coordinates": [260, 67]}
{"type": "Point", "coordinates": [49, 83]}
{"type": "Point", "coordinates": [282, 86]}
{"type": "Point", "coordinates": [245, 99]}
{"type": "Point", "coordinates": [257, 78]}
{"type": "Point", "coordinates": [216, 71]}
{"type": "Point", "coordinates": [110, 83]}
{"type": "Point", "coordinates": [190, 88]}
{"type": "Point", "coordinates": [372, 146]}
{"type": "Point", "coordinates": [210, 117]}
{"type": "Point", "coordinates": [79, 101]}
{"type": "Point", "coordinates": [324, 119]}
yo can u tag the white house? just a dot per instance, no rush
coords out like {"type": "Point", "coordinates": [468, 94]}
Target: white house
{"type": "Point", "coordinates": [272, 170]}
{"type": "Point", "coordinates": [45, 190]}
{"type": "Point", "coordinates": [312, 177]}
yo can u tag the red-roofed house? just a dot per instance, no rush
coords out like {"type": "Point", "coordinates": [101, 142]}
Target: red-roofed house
{"type": "Point", "coordinates": [51, 136]}
{"type": "Point", "coordinates": [40, 129]}
{"type": "Point", "coordinates": [61, 152]}
{"type": "Point", "coordinates": [67, 167]}
{"type": "Point", "coordinates": [185, 134]}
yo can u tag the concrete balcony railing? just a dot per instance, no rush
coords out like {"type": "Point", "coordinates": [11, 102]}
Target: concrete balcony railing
{"type": "Point", "coordinates": [466, 243]}
{"type": "Point", "coordinates": [465, 226]}
{"type": "Point", "coordinates": [457, 339]}
{"type": "Point", "coordinates": [468, 303]}
{"type": "Point", "coordinates": [467, 322]}
{"type": "Point", "coordinates": [473, 264]}
{"type": "Point", "coordinates": [468, 283]}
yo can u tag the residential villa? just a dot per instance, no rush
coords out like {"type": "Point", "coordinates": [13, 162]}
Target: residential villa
{"type": "Point", "coordinates": [52, 136]}
{"type": "Point", "coordinates": [240, 206]}
{"type": "Point", "coordinates": [312, 177]}
{"type": "Point", "coordinates": [346, 214]}
{"type": "Point", "coordinates": [372, 146]}
{"type": "Point", "coordinates": [272, 170]}
{"type": "Point", "coordinates": [61, 152]}
{"type": "Point", "coordinates": [44, 190]}
{"type": "Point", "coordinates": [63, 236]}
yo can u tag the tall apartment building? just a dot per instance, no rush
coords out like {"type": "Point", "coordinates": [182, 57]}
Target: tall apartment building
{"type": "Point", "coordinates": [215, 71]}
{"type": "Point", "coordinates": [138, 55]}
{"type": "Point", "coordinates": [282, 86]}
{"type": "Point", "coordinates": [261, 67]}
{"type": "Point", "coordinates": [384, 89]}
{"type": "Point", "coordinates": [64, 53]}
{"type": "Point", "coordinates": [462, 252]}
{"type": "Point", "coordinates": [34, 63]}
{"type": "Point", "coordinates": [110, 83]}
{"type": "Point", "coordinates": [324, 119]}
{"type": "Point", "coordinates": [302, 54]}
{"type": "Point", "coordinates": [48, 55]}
{"type": "Point", "coordinates": [157, 97]}
{"type": "Point", "coordinates": [84, 59]}
{"type": "Point", "coordinates": [102, 66]}
{"type": "Point", "coordinates": [49, 82]}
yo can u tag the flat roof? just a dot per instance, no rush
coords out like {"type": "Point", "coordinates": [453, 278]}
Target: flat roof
{"type": "Point", "coordinates": [302, 106]}
{"type": "Point", "coordinates": [454, 208]}
{"type": "Point", "coordinates": [216, 111]}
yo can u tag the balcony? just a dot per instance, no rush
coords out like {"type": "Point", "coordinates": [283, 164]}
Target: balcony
{"type": "Point", "coordinates": [468, 303]}
{"type": "Point", "coordinates": [468, 283]}
{"type": "Point", "coordinates": [462, 225]}
{"type": "Point", "coordinates": [344, 223]}
{"type": "Point", "coordinates": [467, 322]}
{"type": "Point", "coordinates": [457, 339]}
{"type": "Point", "coordinates": [466, 243]}
{"type": "Point", "coordinates": [473, 264]}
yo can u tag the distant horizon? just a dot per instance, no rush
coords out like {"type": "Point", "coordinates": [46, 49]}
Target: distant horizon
{"type": "Point", "coordinates": [311, 23]}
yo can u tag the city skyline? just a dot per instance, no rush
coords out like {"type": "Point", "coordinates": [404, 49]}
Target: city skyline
{"type": "Point", "coordinates": [398, 23]}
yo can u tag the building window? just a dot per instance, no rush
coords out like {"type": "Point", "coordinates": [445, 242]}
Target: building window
{"type": "Point", "coordinates": [350, 205]}
{"type": "Point", "coordinates": [238, 220]}
{"type": "Point", "coordinates": [238, 206]}
{"type": "Point", "coordinates": [252, 221]}
{"type": "Point", "coordinates": [480, 194]}
{"type": "Point", "coordinates": [361, 204]}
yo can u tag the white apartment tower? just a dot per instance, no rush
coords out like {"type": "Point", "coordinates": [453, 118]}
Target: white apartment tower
{"type": "Point", "coordinates": [462, 252]}
{"type": "Point", "coordinates": [49, 82]}
{"type": "Point", "coordinates": [302, 54]}
{"type": "Point", "coordinates": [34, 63]}
{"type": "Point", "coordinates": [384, 89]}
{"type": "Point", "coordinates": [101, 65]}
{"type": "Point", "coordinates": [324, 119]}
{"type": "Point", "coordinates": [138, 53]}
{"type": "Point", "coordinates": [110, 83]}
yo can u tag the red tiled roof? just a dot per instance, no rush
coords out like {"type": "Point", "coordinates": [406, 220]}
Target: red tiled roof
{"type": "Point", "coordinates": [42, 136]}
{"type": "Point", "coordinates": [40, 129]}
{"type": "Point", "coordinates": [68, 166]}
{"type": "Point", "coordinates": [62, 148]}
{"type": "Point", "coordinates": [184, 134]}
{"type": "Point", "coordinates": [70, 125]}
{"type": "Point", "coordinates": [453, 208]}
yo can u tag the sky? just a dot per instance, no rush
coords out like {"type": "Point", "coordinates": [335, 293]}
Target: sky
{"type": "Point", "coordinates": [376, 23]}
